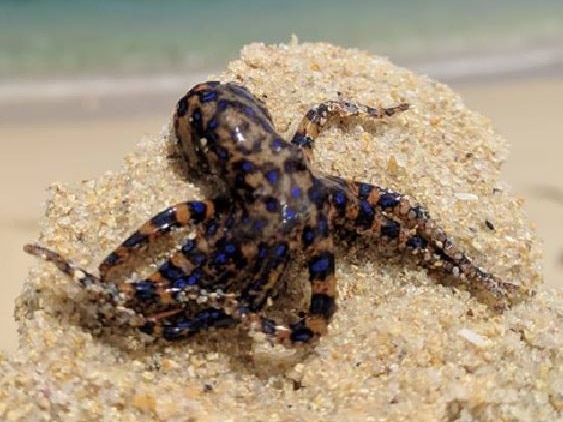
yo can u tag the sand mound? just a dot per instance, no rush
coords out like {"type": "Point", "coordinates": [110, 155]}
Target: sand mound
{"type": "Point", "coordinates": [400, 347]}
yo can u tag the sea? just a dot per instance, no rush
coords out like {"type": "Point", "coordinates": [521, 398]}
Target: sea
{"type": "Point", "coordinates": [125, 43]}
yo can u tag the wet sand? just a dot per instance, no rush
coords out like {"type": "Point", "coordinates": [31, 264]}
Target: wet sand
{"type": "Point", "coordinates": [77, 140]}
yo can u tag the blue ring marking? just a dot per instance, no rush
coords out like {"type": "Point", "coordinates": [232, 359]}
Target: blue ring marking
{"type": "Point", "coordinates": [197, 258]}
{"type": "Point", "coordinates": [247, 166]}
{"type": "Point", "coordinates": [220, 259]}
{"type": "Point", "coordinates": [289, 213]}
{"type": "Point", "coordinates": [221, 152]}
{"type": "Point", "coordinates": [230, 248]}
{"type": "Point", "coordinates": [320, 265]}
{"type": "Point", "coordinates": [144, 290]}
{"type": "Point", "coordinates": [222, 105]}
{"type": "Point", "coordinates": [295, 191]}
{"type": "Point", "coordinates": [198, 210]}
{"type": "Point", "coordinates": [308, 236]}
{"type": "Point", "coordinates": [208, 96]}
{"type": "Point", "coordinates": [181, 283]}
{"type": "Point", "coordinates": [111, 259]}
{"type": "Point", "coordinates": [262, 251]}
{"type": "Point", "coordinates": [302, 335]}
{"type": "Point", "coordinates": [322, 304]}
{"type": "Point", "coordinates": [170, 271]}
{"type": "Point", "coordinates": [339, 199]}
{"type": "Point", "coordinates": [416, 242]}
{"type": "Point", "coordinates": [194, 277]}
{"type": "Point", "coordinates": [135, 239]}
{"type": "Point", "coordinates": [281, 250]}
{"type": "Point", "coordinates": [391, 229]}
{"type": "Point", "coordinates": [212, 228]}
{"type": "Point", "coordinates": [188, 246]}
{"type": "Point", "coordinates": [322, 225]}
{"type": "Point", "coordinates": [389, 199]}
{"type": "Point", "coordinates": [277, 143]}
{"type": "Point", "coordinates": [273, 176]}
{"type": "Point", "coordinates": [272, 204]}
{"type": "Point", "coordinates": [258, 224]}
{"type": "Point", "coordinates": [165, 219]}
{"type": "Point", "coordinates": [364, 190]}
{"type": "Point", "coordinates": [212, 124]}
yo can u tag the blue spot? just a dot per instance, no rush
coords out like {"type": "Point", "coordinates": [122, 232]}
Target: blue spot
{"type": "Point", "coordinates": [111, 259]}
{"type": "Point", "coordinates": [188, 246]}
{"type": "Point", "coordinates": [249, 111]}
{"type": "Point", "coordinates": [230, 248]}
{"type": "Point", "coordinates": [388, 200]}
{"type": "Point", "coordinates": [262, 252]}
{"type": "Point", "coordinates": [364, 190]}
{"type": "Point", "coordinates": [292, 165]}
{"type": "Point", "coordinates": [301, 140]}
{"type": "Point", "coordinates": [313, 193]}
{"type": "Point", "coordinates": [222, 105]}
{"type": "Point", "coordinates": [144, 290]}
{"type": "Point", "coordinates": [247, 166]}
{"type": "Point", "coordinates": [281, 250]}
{"type": "Point", "coordinates": [222, 153]}
{"type": "Point", "coordinates": [198, 211]}
{"type": "Point", "coordinates": [165, 219]}
{"type": "Point", "coordinates": [273, 176]}
{"type": "Point", "coordinates": [258, 224]}
{"type": "Point", "coordinates": [308, 236]}
{"type": "Point", "coordinates": [416, 242]}
{"type": "Point", "coordinates": [212, 124]}
{"type": "Point", "coordinates": [320, 265]}
{"type": "Point", "coordinates": [339, 199]}
{"type": "Point", "coordinates": [135, 239]}
{"type": "Point", "coordinates": [170, 271]}
{"type": "Point", "coordinates": [229, 221]}
{"type": "Point", "coordinates": [295, 191]}
{"type": "Point", "coordinates": [272, 204]}
{"type": "Point", "coordinates": [198, 206]}
{"type": "Point", "coordinates": [366, 214]}
{"type": "Point", "coordinates": [301, 334]}
{"type": "Point", "coordinates": [277, 143]}
{"type": "Point", "coordinates": [196, 114]}
{"type": "Point", "coordinates": [322, 225]}
{"type": "Point", "coordinates": [366, 207]}
{"type": "Point", "coordinates": [220, 258]}
{"type": "Point", "coordinates": [208, 96]}
{"type": "Point", "coordinates": [181, 283]}
{"type": "Point", "coordinates": [322, 304]}
{"type": "Point", "coordinates": [194, 277]}
{"type": "Point", "coordinates": [289, 213]}
{"type": "Point", "coordinates": [391, 229]}
{"type": "Point", "coordinates": [212, 228]}
{"type": "Point", "coordinates": [420, 212]}
{"type": "Point", "coordinates": [197, 258]}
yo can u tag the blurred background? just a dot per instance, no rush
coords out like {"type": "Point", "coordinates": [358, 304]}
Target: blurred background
{"type": "Point", "coordinates": [82, 81]}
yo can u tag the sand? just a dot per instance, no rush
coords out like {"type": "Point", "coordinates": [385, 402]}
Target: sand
{"type": "Point", "coordinates": [400, 347]}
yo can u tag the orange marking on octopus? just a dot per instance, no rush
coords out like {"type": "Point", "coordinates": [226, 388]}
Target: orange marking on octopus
{"type": "Point", "coordinates": [317, 324]}
{"type": "Point", "coordinates": [182, 214]}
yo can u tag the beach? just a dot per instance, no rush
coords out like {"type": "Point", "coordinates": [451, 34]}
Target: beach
{"type": "Point", "coordinates": [81, 137]}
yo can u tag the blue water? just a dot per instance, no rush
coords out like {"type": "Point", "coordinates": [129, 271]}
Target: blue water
{"type": "Point", "coordinates": [85, 37]}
